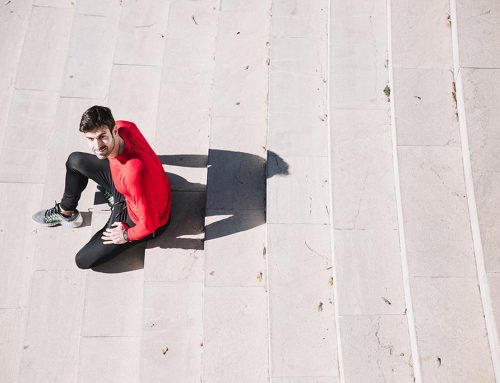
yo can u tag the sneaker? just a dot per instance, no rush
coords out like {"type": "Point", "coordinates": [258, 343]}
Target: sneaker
{"type": "Point", "coordinates": [53, 217]}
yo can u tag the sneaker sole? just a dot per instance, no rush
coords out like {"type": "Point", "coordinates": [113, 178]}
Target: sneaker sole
{"type": "Point", "coordinates": [77, 222]}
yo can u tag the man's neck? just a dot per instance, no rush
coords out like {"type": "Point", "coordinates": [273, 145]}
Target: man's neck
{"type": "Point", "coordinates": [119, 144]}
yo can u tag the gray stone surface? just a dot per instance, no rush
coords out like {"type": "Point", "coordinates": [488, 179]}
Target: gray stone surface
{"type": "Point", "coordinates": [426, 113]}
{"type": "Point", "coordinates": [239, 91]}
{"type": "Point", "coordinates": [376, 349]}
{"type": "Point", "coordinates": [90, 56]}
{"type": "Point", "coordinates": [301, 301]}
{"type": "Point", "coordinates": [113, 304]}
{"type": "Point", "coordinates": [142, 33]}
{"type": "Point", "coordinates": [494, 283]}
{"type": "Point", "coordinates": [189, 51]}
{"type": "Point", "coordinates": [109, 360]}
{"type": "Point", "coordinates": [25, 140]}
{"type": "Point", "coordinates": [306, 379]}
{"type": "Point", "coordinates": [421, 34]}
{"type": "Point", "coordinates": [300, 18]}
{"type": "Point", "coordinates": [50, 346]}
{"type": "Point", "coordinates": [479, 33]}
{"type": "Point", "coordinates": [11, 337]}
{"type": "Point", "coordinates": [235, 242]}
{"type": "Point", "coordinates": [481, 96]}
{"type": "Point", "coordinates": [229, 354]}
{"type": "Point", "coordinates": [13, 24]}
{"type": "Point", "coordinates": [358, 55]}
{"type": "Point", "coordinates": [245, 134]}
{"type": "Point", "coordinates": [363, 257]}
{"type": "Point", "coordinates": [306, 187]}
{"type": "Point", "coordinates": [41, 64]}
{"type": "Point", "coordinates": [435, 212]}
{"type": "Point", "coordinates": [172, 340]}
{"type": "Point", "coordinates": [17, 242]}
{"type": "Point", "coordinates": [188, 124]}
{"type": "Point", "coordinates": [451, 333]}
{"type": "Point", "coordinates": [364, 195]}
{"type": "Point", "coordinates": [241, 88]}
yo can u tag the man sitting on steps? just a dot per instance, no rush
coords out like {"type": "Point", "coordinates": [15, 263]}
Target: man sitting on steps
{"type": "Point", "coordinates": [133, 180]}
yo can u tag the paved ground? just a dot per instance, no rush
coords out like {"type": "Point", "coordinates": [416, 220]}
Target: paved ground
{"type": "Point", "coordinates": [335, 175]}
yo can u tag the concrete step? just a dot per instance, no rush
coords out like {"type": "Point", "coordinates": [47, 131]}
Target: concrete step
{"type": "Point", "coordinates": [333, 169]}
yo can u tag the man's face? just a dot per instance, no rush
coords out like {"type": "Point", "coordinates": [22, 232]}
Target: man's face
{"type": "Point", "coordinates": [101, 141]}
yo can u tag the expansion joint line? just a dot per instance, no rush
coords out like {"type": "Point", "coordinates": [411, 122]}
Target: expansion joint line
{"type": "Point", "coordinates": [266, 242]}
{"type": "Point", "coordinates": [404, 260]}
{"type": "Point", "coordinates": [340, 358]}
{"type": "Point", "coordinates": [471, 200]}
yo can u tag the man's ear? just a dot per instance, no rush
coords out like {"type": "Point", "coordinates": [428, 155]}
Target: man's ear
{"type": "Point", "coordinates": [115, 131]}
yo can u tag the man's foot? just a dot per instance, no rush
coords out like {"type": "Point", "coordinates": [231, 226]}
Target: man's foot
{"type": "Point", "coordinates": [54, 217]}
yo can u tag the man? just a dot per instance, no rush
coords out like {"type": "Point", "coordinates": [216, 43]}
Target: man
{"type": "Point", "coordinates": [133, 180]}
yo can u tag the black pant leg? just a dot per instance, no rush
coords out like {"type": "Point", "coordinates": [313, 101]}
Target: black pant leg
{"type": "Point", "coordinates": [95, 252]}
{"type": "Point", "coordinates": [79, 168]}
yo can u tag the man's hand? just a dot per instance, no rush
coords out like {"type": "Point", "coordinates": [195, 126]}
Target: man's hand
{"type": "Point", "coordinates": [114, 235]}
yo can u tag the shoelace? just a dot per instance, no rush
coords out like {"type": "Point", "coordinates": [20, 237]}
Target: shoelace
{"type": "Point", "coordinates": [52, 211]}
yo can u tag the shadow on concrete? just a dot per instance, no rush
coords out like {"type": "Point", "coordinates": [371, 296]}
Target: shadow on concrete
{"type": "Point", "coordinates": [234, 199]}
{"type": "Point", "coordinates": [235, 195]}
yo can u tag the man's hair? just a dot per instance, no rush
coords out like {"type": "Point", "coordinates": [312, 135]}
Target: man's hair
{"type": "Point", "coordinates": [96, 117]}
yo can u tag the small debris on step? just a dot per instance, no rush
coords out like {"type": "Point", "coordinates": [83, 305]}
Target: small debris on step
{"type": "Point", "coordinates": [259, 276]}
{"type": "Point", "coordinates": [320, 306]}
{"type": "Point", "coordinates": [201, 344]}
{"type": "Point", "coordinates": [330, 281]}
{"type": "Point", "coordinates": [7, 2]}
{"type": "Point", "coordinates": [248, 66]}
{"type": "Point", "coordinates": [164, 350]}
{"type": "Point", "coordinates": [418, 97]}
{"type": "Point", "coordinates": [439, 361]}
{"type": "Point", "coordinates": [387, 92]}
{"type": "Point", "coordinates": [264, 252]}
{"type": "Point", "coordinates": [194, 20]}
{"type": "Point", "coordinates": [387, 301]}
{"type": "Point", "coordinates": [212, 272]}
{"type": "Point", "coordinates": [237, 33]}
{"type": "Point", "coordinates": [238, 103]}
{"type": "Point", "coordinates": [268, 61]}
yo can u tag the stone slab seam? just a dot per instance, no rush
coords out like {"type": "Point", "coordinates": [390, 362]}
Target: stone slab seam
{"type": "Point", "coordinates": [484, 288]}
{"type": "Point", "coordinates": [340, 358]}
{"type": "Point", "coordinates": [397, 185]}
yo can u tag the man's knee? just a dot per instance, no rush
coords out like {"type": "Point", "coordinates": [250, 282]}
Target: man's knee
{"type": "Point", "coordinates": [75, 160]}
{"type": "Point", "coordinates": [81, 262]}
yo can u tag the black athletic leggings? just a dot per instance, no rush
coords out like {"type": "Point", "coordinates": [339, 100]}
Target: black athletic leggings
{"type": "Point", "coordinates": [79, 168]}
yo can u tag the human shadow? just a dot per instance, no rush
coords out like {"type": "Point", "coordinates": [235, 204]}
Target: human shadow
{"type": "Point", "coordinates": [233, 200]}
{"type": "Point", "coordinates": [235, 191]}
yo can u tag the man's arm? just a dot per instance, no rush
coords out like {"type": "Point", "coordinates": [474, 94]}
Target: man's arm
{"type": "Point", "coordinates": [142, 195]}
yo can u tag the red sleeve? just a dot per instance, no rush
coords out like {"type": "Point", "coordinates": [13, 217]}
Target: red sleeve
{"type": "Point", "coordinates": [142, 198]}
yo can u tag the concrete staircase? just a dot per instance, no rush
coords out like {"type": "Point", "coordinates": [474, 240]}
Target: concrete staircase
{"type": "Point", "coordinates": [335, 185]}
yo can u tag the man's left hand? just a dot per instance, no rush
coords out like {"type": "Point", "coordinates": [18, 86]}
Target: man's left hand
{"type": "Point", "coordinates": [114, 235]}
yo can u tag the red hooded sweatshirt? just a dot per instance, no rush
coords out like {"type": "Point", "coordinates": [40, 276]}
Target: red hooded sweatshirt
{"type": "Point", "coordinates": [138, 174]}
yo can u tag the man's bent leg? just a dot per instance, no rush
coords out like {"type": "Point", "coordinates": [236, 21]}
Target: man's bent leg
{"type": "Point", "coordinates": [95, 252]}
{"type": "Point", "coordinates": [79, 168]}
